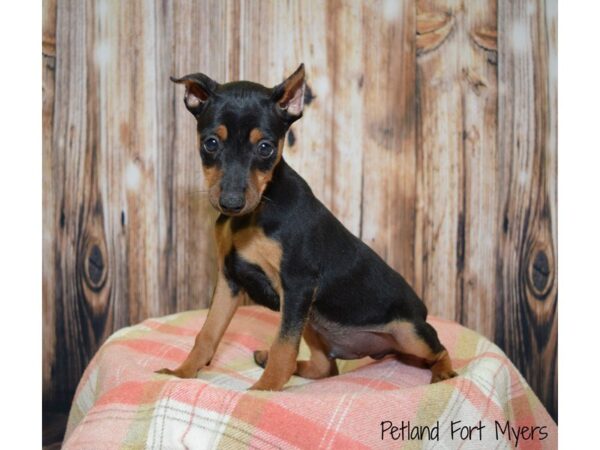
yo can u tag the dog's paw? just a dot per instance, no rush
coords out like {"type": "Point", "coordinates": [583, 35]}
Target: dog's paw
{"type": "Point", "coordinates": [181, 373]}
{"type": "Point", "coordinates": [262, 386]}
{"type": "Point", "coordinates": [260, 357]}
{"type": "Point", "coordinates": [257, 387]}
{"type": "Point", "coordinates": [442, 375]}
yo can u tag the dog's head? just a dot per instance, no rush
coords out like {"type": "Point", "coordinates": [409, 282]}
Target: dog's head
{"type": "Point", "coordinates": [241, 129]}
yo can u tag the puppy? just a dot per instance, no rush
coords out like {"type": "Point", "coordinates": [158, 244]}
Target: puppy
{"type": "Point", "coordinates": [279, 245]}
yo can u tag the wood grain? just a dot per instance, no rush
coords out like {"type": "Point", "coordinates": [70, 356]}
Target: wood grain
{"type": "Point", "coordinates": [49, 218]}
{"type": "Point", "coordinates": [429, 130]}
{"type": "Point", "coordinates": [340, 96]}
{"type": "Point", "coordinates": [457, 215]}
{"type": "Point", "coordinates": [527, 324]}
{"type": "Point", "coordinates": [479, 226]}
{"type": "Point", "coordinates": [440, 166]}
{"type": "Point", "coordinates": [389, 159]}
{"type": "Point", "coordinates": [201, 42]}
{"type": "Point", "coordinates": [303, 31]}
{"type": "Point", "coordinates": [79, 227]}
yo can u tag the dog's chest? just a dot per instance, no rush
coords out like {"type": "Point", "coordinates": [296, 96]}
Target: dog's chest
{"type": "Point", "coordinates": [253, 261]}
{"type": "Point", "coordinates": [256, 248]}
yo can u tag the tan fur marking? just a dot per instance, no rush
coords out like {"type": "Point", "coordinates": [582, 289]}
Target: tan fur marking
{"type": "Point", "coordinates": [319, 365]}
{"type": "Point", "coordinates": [411, 345]}
{"type": "Point", "coordinates": [260, 357]}
{"type": "Point", "coordinates": [279, 152]}
{"type": "Point", "coordinates": [256, 248]}
{"type": "Point", "coordinates": [442, 368]}
{"type": "Point", "coordinates": [224, 240]}
{"type": "Point", "coordinates": [291, 84]}
{"type": "Point", "coordinates": [212, 179]}
{"type": "Point", "coordinates": [212, 175]}
{"type": "Point", "coordinates": [281, 365]}
{"type": "Point", "coordinates": [409, 341]}
{"type": "Point", "coordinates": [255, 135]}
{"type": "Point", "coordinates": [221, 311]}
{"type": "Point", "coordinates": [259, 180]}
{"type": "Point", "coordinates": [222, 308]}
{"type": "Point", "coordinates": [221, 131]}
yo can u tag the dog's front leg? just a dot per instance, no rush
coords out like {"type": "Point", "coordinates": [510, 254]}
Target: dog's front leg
{"type": "Point", "coordinates": [223, 306]}
{"type": "Point", "coordinates": [281, 362]}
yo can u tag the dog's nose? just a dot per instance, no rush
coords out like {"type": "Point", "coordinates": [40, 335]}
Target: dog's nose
{"type": "Point", "coordinates": [232, 201]}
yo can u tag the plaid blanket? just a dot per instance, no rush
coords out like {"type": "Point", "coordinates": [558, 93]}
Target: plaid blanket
{"type": "Point", "coordinates": [122, 403]}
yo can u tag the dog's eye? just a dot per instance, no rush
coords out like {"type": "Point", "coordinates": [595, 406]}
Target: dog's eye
{"type": "Point", "coordinates": [211, 145]}
{"type": "Point", "coordinates": [265, 150]}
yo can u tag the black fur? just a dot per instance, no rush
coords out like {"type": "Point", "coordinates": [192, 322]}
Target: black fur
{"type": "Point", "coordinates": [354, 286]}
{"type": "Point", "coordinates": [252, 278]}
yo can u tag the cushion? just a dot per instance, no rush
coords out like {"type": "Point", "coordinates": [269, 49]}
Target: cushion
{"type": "Point", "coordinates": [121, 402]}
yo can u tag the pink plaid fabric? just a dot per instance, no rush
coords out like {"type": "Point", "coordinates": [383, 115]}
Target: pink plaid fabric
{"type": "Point", "coordinates": [122, 403]}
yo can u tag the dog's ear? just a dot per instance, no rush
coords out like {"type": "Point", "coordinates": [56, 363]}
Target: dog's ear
{"type": "Point", "coordinates": [289, 95]}
{"type": "Point", "coordinates": [198, 89]}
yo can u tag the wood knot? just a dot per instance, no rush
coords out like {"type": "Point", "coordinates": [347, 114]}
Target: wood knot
{"type": "Point", "coordinates": [540, 271]}
{"type": "Point", "coordinates": [540, 274]}
{"type": "Point", "coordinates": [48, 46]}
{"type": "Point", "coordinates": [432, 30]}
{"type": "Point", "coordinates": [475, 80]}
{"type": "Point", "coordinates": [95, 267]}
{"type": "Point", "coordinates": [487, 39]}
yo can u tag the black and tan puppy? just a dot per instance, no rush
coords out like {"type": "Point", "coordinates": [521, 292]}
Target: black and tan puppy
{"type": "Point", "coordinates": [283, 248]}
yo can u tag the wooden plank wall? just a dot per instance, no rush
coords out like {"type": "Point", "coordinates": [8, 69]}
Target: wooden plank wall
{"type": "Point", "coordinates": [431, 133]}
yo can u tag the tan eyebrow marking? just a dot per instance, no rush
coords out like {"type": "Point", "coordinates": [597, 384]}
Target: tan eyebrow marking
{"type": "Point", "coordinates": [255, 135]}
{"type": "Point", "coordinates": [221, 131]}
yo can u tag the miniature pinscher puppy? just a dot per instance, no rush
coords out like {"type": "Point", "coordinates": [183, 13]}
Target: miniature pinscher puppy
{"type": "Point", "coordinates": [280, 246]}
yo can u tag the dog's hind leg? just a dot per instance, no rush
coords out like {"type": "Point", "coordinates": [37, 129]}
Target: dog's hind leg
{"type": "Point", "coordinates": [419, 339]}
{"type": "Point", "coordinates": [320, 365]}
{"type": "Point", "coordinates": [260, 357]}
